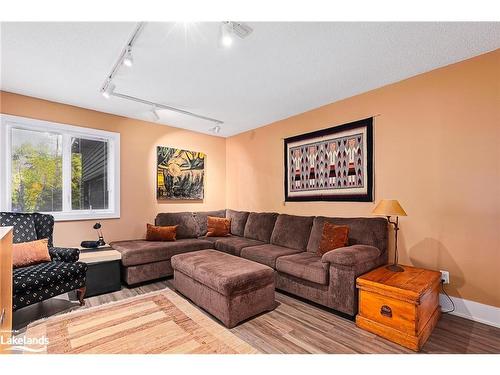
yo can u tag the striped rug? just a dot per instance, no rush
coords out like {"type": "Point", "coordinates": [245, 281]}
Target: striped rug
{"type": "Point", "coordinates": [159, 322]}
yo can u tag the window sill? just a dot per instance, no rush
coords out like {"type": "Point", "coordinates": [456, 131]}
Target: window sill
{"type": "Point", "coordinates": [75, 216]}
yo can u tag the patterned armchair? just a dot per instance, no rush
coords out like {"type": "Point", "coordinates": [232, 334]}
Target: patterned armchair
{"type": "Point", "coordinates": [41, 281]}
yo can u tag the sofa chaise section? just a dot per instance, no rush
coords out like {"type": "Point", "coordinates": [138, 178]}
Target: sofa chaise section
{"type": "Point", "coordinates": [148, 260]}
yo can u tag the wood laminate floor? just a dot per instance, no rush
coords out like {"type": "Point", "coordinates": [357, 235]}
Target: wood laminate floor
{"type": "Point", "coordinates": [296, 326]}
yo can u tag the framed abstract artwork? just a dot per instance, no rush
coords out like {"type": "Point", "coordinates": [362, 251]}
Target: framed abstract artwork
{"type": "Point", "coordinates": [334, 164]}
{"type": "Point", "coordinates": [180, 174]}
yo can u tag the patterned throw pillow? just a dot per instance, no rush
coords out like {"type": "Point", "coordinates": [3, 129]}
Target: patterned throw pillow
{"type": "Point", "coordinates": [28, 253]}
{"type": "Point", "coordinates": [333, 237]}
{"type": "Point", "coordinates": [218, 226]}
{"type": "Point", "coordinates": [158, 233]}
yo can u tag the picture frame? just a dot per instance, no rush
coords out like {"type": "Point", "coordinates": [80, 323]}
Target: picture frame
{"type": "Point", "coordinates": [333, 164]}
{"type": "Point", "coordinates": [180, 174]}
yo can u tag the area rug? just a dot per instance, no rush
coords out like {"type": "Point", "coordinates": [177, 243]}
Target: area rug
{"type": "Point", "coordinates": [158, 322]}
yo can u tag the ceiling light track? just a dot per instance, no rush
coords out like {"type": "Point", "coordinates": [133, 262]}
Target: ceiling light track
{"type": "Point", "coordinates": [163, 106]}
{"type": "Point", "coordinates": [125, 58]}
{"type": "Point", "coordinates": [125, 54]}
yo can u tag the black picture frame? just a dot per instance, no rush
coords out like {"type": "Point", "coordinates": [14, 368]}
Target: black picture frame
{"type": "Point", "coordinates": [355, 197]}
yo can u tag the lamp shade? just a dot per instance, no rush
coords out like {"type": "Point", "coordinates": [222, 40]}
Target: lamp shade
{"type": "Point", "coordinates": [389, 207]}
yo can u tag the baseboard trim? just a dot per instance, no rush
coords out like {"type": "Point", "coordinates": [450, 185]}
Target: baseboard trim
{"type": "Point", "coordinates": [471, 310]}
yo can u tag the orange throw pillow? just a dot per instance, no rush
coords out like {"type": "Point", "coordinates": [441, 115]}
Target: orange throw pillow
{"type": "Point", "coordinates": [29, 253]}
{"type": "Point", "coordinates": [333, 237]}
{"type": "Point", "coordinates": [157, 233]}
{"type": "Point", "coordinates": [218, 226]}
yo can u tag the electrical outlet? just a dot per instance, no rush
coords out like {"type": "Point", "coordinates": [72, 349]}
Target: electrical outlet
{"type": "Point", "coordinates": [445, 277]}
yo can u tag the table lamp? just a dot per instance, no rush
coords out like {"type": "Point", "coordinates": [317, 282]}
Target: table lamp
{"type": "Point", "coordinates": [97, 227]}
{"type": "Point", "coordinates": [391, 207]}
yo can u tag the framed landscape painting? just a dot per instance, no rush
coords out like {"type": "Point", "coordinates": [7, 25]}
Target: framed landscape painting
{"type": "Point", "coordinates": [180, 174]}
{"type": "Point", "coordinates": [334, 164]}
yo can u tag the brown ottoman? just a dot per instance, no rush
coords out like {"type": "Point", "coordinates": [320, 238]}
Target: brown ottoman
{"type": "Point", "coordinates": [230, 288]}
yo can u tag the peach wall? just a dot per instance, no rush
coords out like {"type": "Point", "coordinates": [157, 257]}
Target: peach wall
{"type": "Point", "coordinates": [138, 166]}
{"type": "Point", "coordinates": [436, 150]}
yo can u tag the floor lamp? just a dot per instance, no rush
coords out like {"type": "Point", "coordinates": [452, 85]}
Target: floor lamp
{"type": "Point", "coordinates": [391, 207]}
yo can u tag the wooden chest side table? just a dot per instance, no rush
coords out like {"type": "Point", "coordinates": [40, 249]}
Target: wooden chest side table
{"type": "Point", "coordinates": [400, 306]}
{"type": "Point", "coordinates": [104, 270]}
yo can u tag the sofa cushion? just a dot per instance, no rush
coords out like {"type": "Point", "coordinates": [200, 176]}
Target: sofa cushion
{"type": "Point", "coordinates": [141, 251]}
{"type": "Point", "coordinates": [234, 244]}
{"type": "Point", "coordinates": [363, 231]}
{"type": "Point", "coordinates": [24, 226]}
{"type": "Point", "coordinates": [187, 225]}
{"type": "Point", "coordinates": [218, 226]}
{"type": "Point", "coordinates": [333, 237]}
{"type": "Point", "coordinates": [201, 218]}
{"type": "Point", "coordinates": [292, 231]}
{"type": "Point", "coordinates": [259, 226]}
{"type": "Point", "coordinates": [49, 274]}
{"type": "Point", "coordinates": [238, 221]}
{"type": "Point", "coordinates": [211, 239]}
{"type": "Point", "coordinates": [267, 253]}
{"type": "Point", "coordinates": [305, 265]}
{"type": "Point", "coordinates": [161, 233]}
{"type": "Point", "coordinates": [222, 272]}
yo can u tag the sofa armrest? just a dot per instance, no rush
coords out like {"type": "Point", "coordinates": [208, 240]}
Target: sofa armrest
{"type": "Point", "coordinates": [351, 255]}
{"type": "Point", "coordinates": [64, 254]}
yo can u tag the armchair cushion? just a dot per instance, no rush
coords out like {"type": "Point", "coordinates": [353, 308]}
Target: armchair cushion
{"type": "Point", "coordinates": [46, 274]}
{"type": "Point", "coordinates": [351, 255]}
{"type": "Point", "coordinates": [44, 226]}
{"type": "Point", "coordinates": [63, 254]}
{"type": "Point", "coordinates": [24, 226]}
{"type": "Point", "coordinates": [45, 280]}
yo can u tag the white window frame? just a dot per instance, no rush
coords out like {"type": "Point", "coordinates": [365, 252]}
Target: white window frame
{"type": "Point", "coordinates": [9, 122]}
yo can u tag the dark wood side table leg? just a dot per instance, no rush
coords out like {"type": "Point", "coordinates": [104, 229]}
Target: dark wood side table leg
{"type": "Point", "coordinates": [80, 294]}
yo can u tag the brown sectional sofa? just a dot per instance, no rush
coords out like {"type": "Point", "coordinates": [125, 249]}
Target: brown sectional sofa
{"type": "Point", "coordinates": [286, 243]}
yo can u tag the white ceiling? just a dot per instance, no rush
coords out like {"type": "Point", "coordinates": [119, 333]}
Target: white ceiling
{"type": "Point", "coordinates": [280, 70]}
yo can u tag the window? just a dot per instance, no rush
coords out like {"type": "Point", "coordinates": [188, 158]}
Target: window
{"type": "Point", "coordinates": [68, 171]}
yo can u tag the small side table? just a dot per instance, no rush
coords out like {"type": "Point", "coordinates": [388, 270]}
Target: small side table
{"type": "Point", "coordinates": [400, 306]}
{"type": "Point", "coordinates": [104, 273]}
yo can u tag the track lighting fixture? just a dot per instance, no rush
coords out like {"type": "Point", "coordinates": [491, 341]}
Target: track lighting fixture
{"type": "Point", "coordinates": [226, 34]}
{"type": "Point", "coordinates": [108, 91]}
{"type": "Point", "coordinates": [231, 29]}
{"type": "Point", "coordinates": [215, 129]}
{"type": "Point", "coordinates": [156, 116]}
{"type": "Point", "coordinates": [128, 59]}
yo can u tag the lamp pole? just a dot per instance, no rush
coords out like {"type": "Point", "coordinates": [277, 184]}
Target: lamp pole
{"type": "Point", "coordinates": [395, 267]}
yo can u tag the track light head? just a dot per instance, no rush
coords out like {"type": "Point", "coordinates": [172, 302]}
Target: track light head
{"type": "Point", "coordinates": [108, 91]}
{"type": "Point", "coordinates": [215, 129]}
{"type": "Point", "coordinates": [227, 36]}
{"type": "Point", "coordinates": [156, 116]}
{"type": "Point", "coordinates": [128, 59]}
